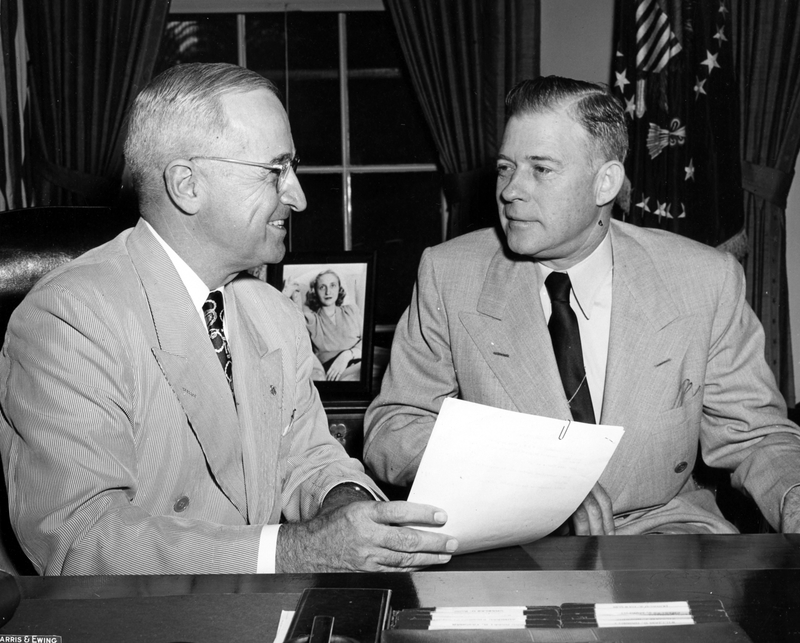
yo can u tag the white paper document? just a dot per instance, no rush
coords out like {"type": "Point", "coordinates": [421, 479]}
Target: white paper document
{"type": "Point", "coordinates": [507, 478]}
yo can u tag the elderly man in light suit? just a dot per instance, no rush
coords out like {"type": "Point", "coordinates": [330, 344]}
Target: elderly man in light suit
{"type": "Point", "coordinates": [671, 350]}
{"type": "Point", "coordinates": [128, 445]}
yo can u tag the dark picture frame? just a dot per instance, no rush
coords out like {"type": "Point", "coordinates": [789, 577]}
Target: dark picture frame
{"type": "Point", "coordinates": [356, 273]}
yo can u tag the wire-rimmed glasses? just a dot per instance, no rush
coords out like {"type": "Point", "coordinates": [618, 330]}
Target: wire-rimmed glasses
{"type": "Point", "coordinates": [282, 168]}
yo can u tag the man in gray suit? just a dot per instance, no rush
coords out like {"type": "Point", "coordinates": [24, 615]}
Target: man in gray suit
{"type": "Point", "coordinates": [671, 350]}
{"type": "Point", "coordinates": [157, 414]}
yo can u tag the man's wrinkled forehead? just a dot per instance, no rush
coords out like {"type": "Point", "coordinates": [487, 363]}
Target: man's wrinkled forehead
{"type": "Point", "coordinates": [257, 118]}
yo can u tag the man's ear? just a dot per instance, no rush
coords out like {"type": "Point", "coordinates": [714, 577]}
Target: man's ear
{"type": "Point", "coordinates": [182, 186]}
{"type": "Point", "coordinates": [608, 182]}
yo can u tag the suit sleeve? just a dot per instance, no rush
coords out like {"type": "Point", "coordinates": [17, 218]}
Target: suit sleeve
{"type": "Point", "coordinates": [744, 425]}
{"type": "Point", "coordinates": [419, 377]}
{"type": "Point", "coordinates": [315, 461]}
{"type": "Point", "coordinates": [69, 444]}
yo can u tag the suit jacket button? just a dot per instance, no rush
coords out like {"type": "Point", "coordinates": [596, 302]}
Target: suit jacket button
{"type": "Point", "coordinates": [181, 504]}
{"type": "Point", "coordinates": [681, 467]}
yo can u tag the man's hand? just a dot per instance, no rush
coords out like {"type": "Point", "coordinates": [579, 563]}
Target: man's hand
{"type": "Point", "coordinates": [595, 516]}
{"type": "Point", "coordinates": [365, 536]}
{"type": "Point", "coordinates": [790, 517]}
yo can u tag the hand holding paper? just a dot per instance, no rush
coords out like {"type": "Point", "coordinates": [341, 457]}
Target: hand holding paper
{"type": "Point", "coordinates": [507, 478]}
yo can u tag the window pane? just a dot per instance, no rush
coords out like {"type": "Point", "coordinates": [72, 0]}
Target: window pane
{"type": "Point", "coordinates": [265, 46]}
{"type": "Point", "coordinates": [386, 124]}
{"type": "Point", "coordinates": [314, 114]}
{"type": "Point", "coordinates": [312, 96]}
{"type": "Point", "coordinates": [313, 40]}
{"type": "Point", "coordinates": [198, 38]}
{"type": "Point", "coordinates": [313, 92]}
{"type": "Point", "coordinates": [372, 41]}
{"type": "Point", "coordinates": [386, 121]}
{"type": "Point", "coordinates": [398, 215]}
{"type": "Point", "coordinates": [320, 227]}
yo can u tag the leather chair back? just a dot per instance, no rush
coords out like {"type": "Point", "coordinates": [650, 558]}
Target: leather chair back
{"type": "Point", "coordinates": [33, 241]}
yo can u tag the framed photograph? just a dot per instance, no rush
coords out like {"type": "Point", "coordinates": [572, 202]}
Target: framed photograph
{"type": "Point", "coordinates": [335, 292]}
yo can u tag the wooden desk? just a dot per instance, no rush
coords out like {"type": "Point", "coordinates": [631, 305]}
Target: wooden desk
{"type": "Point", "coordinates": [757, 577]}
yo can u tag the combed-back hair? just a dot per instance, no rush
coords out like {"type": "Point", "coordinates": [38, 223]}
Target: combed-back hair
{"type": "Point", "coordinates": [590, 104]}
{"type": "Point", "coordinates": [179, 114]}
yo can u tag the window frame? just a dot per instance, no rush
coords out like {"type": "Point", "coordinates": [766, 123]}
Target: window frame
{"type": "Point", "coordinates": [261, 6]}
{"type": "Point", "coordinates": [344, 168]}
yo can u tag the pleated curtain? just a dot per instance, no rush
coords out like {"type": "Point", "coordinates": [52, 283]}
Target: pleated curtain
{"type": "Point", "coordinates": [88, 60]}
{"type": "Point", "coordinates": [766, 38]}
{"type": "Point", "coordinates": [463, 57]}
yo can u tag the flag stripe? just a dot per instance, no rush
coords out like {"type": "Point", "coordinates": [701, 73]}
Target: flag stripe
{"type": "Point", "coordinates": [655, 41]}
{"type": "Point", "coordinates": [655, 52]}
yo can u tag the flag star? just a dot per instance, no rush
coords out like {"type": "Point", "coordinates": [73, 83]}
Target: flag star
{"type": "Point", "coordinates": [698, 88]}
{"type": "Point", "coordinates": [666, 211]}
{"type": "Point", "coordinates": [682, 215]}
{"type": "Point", "coordinates": [722, 8]}
{"type": "Point", "coordinates": [710, 61]}
{"type": "Point", "coordinates": [619, 54]}
{"type": "Point", "coordinates": [720, 35]}
{"type": "Point", "coordinates": [661, 210]}
{"type": "Point", "coordinates": [622, 80]}
{"type": "Point", "coordinates": [643, 204]}
{"type": "Point", "coordinates": [630, 106]}
{"type": "Point", "coordinates": [689, 170]}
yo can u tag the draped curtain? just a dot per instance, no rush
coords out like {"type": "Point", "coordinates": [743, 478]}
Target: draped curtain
{"type": "Point", "coordinates": [13, 105]}
{"type": "Point", "coordinates": [463, 57]}
{"type": "Point", "coordinates": [88, 60]}
{"type": "Point", "coordinates": [766, 40]}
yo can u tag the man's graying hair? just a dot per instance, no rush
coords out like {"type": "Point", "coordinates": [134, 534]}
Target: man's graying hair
{"type": "Point", "coordinates": [590, 104]}
{"type": "Point", "coordinates": [179, 114]}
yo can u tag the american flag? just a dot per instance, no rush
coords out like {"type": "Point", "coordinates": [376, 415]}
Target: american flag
{"type": "Point", "coordinates": [673, 72]}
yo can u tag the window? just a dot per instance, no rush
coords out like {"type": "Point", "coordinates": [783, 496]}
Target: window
{"type": "Point", "coordinates": [367, 158]}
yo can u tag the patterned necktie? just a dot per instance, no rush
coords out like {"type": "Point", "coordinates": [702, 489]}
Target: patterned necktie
{"type": "Point", "coordinates": [215, 318]}
{"type": "Point", "coordinates": [566, 339]}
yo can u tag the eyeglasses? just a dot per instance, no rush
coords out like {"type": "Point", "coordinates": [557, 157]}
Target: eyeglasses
{"type": "Point", "coordinates": [281, 168]}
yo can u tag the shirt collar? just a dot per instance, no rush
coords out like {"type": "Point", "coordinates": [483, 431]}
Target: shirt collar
{"type": "Point", "coordinates": [196, 287]}
{"type": "Point", "coordinates": [588, 276]}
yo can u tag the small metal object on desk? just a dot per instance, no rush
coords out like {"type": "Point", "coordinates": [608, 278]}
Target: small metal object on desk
{"type": "Point", "coordinates": [321, 630]}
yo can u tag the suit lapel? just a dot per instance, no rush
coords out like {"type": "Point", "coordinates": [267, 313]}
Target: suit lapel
{"type": "Point", "coordinates": [639, 340]}
{"type": "Point", "coordinates": [258, 379]}
{"type": "Point", "coordinates": [193, 373]}
{"type": "Point", "coordinates": [646, 336]}
{"type": "Point", "coordinates": [511, 335]}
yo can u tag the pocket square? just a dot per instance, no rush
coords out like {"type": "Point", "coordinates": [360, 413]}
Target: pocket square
{"type": "Point", "coordinates": [685, 391]}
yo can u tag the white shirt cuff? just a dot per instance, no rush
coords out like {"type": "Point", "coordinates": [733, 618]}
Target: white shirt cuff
{"type": "Point", "coordinates": [267, 549]}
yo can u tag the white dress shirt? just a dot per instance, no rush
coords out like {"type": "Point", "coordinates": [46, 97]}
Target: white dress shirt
{"type": "Point", "coordinates": [590, 299]}
{"type": "Point", "coordinates": [198, 293]}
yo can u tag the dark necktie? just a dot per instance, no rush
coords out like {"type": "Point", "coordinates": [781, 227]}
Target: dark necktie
{"type": "Point", "coordinates": [215, 318]}
{"type": "Point", "coordinates": [567, 348]}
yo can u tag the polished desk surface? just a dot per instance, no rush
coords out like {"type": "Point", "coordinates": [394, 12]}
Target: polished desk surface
{"type": "Point", "coordinates": [757, 578]}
